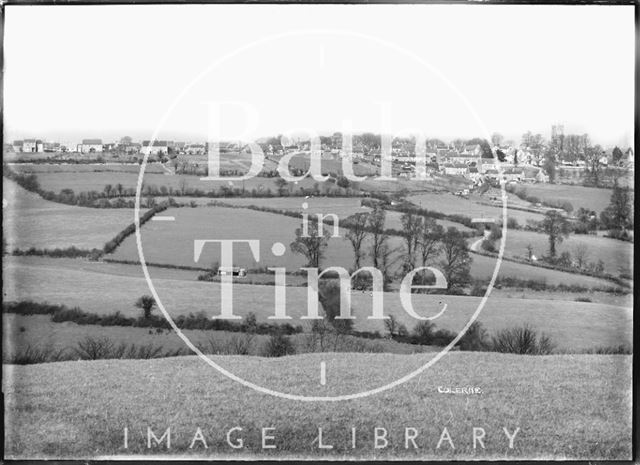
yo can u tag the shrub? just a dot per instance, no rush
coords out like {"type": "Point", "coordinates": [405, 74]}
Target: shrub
{"type": "Point", "coordinates": [423, 333]}
{"type": "Point", "coordinates": [582, 299]}
{"type": "Point", "coordinates": [95, 348]}
{"type": "Point", "coordinates": [278, 345]}
{"type": "Point", "coordinates": [478, 290]}
{"type": "Point", "coordinates": [475, 338]}
{"type": "Point", "coordinates": [522, 340]}
{"type": "Point", "coordinates": [31, 355]}
{"type": "Point", "coordinates": [622, 349]}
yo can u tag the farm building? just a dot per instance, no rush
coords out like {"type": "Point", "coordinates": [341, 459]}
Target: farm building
{"type": "Point", "coordinates": [17, 146]}
{"type": "Point", "coordinates": [158, 147]}
{"type": "Point", "coordinates": [32, 145]}
{"type": "Point", "coordinates": [90, 146]}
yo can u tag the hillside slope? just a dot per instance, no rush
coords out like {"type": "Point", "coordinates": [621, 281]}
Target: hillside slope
{"type": "Point", "coordinates": [565, 406]}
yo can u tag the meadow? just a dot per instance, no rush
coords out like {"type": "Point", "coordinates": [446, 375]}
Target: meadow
{"type": "Point", "coordinates": [565, 406]}
{"type": "Point", "coordinates": [85, 168]}
{"type": "Point", "coordinates": [572, 325]}
{"type": "Point", "coordinates": [38, 331]}
{"type": "Point", "coordinates": [592, 198]}
{"type": "Point", "coordinates": [616, 255]}
{"type": "Point", "coordinates": [172, 243]}
{"type": "Point", "coordinates": [31, 221]}
{"type": "Point", "coordinates": [475, 207]}
{"type": "Point", "coordinates": [341, 206]}
{"type": "Point", "coordinates": [331, 164]}
{"type": "Point", "coordinates": [96, 180]}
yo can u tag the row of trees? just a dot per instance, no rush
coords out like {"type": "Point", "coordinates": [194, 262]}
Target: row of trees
{"type": "Point", "coordinates": [423, 242]}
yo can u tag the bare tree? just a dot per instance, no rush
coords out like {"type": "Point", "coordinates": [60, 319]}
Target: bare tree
{"type": "Point", "coordinates": [356, 234]}
{"type": "Point", "coordinates": [557, 227]}
{"type": "Point", "coordinates": [581, 255]}
{"type": "Point", "coordinates": [412, 227]}
{"type": "Point", "coordinates": [312, 245]}
{"type": "Point", "coordinates": [429, 240]}
{"type": "Point", "coordinates": [592, 156]}
{"type": "Point", "coordinates": [379, 238]}
{"type": "Point", "coordinates": [456, 264]}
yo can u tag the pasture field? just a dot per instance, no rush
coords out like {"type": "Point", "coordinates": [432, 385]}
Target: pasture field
{"type": "Point", "coordinates": [331, 164]}
{"type": "Point", "coordinates": [21, 331]}
{"type": "Point", "coordinates": [341, 206]}
{"type": "Point", "coordinates": [592, 198]}
{"type": "Point", "coordinates": [577, 407]}
{"type": "Point", "coordinates": [448, 203]}
{"type": "Point", "coordinates": [173, 242]}
{"type": "Point", "coordinates": [394, 221]}
{"type": "Point", "coordinates": [572, 325]}
{"type": "Point", "coordinates": [616, 255]}
{"type": "Point", "coordinates": [31, 221]}
{"type": "Point", "coordinates": [85, 168]}
{"type": "Point", "coordinates": [56, 181]}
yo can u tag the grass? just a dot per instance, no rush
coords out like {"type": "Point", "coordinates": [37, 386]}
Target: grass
{"type": "Point", "coordinates": [574, 325]}
{"type": "Point", "coordinates": [42, 339]}
{"type": "Point", "coordinates": [341, 206]}
{"type": "Point", "coordinates": [616, 255]}
{"type": "Point", "coordinates": [56, 181]}
{"type": "Point", "coordinates": [173, 242]}
{"type": "Point", "coordinates": [451, 204]}
{"type": "Point", "coordinates": [31, 221]}
{"type": "Point", "coordinates": [591, 198]}
{"type": "Point", "coordinates": [86, 168]}
{"type": "Point", "coordinates": [567, 407]}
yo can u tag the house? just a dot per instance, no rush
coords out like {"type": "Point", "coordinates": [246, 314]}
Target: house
{"type": "Point", "coordinates": [90, 146]}
{"type": "Point", "coordinates": [534, 174]}
{"type": "Point", "coordinates": [467, 159]}
{"type": "Point", "coordinates": [32, 145]}
{"type": "Point", "coordinates": [474, 150]}
{"type": "Point", "coordinates": [17, 146]}
{"type": "Point", "coordinates": [158, 147]}
{"type": "Point", "coordinates": [457, 169]}
{"type": "Point", "coordinates": [195, 149]}
{"type": "Point", "coordinates": [52, 147]}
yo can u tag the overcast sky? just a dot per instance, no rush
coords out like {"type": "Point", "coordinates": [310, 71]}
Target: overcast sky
{"type": "Point", "coordinates": [446, 70]}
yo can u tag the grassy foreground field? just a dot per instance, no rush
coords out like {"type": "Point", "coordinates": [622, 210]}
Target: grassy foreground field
{"type": "Point", "coordinates": [31, 221]}
{"type": "Point", "coordinates": [566, 407]}
{"type": "Point", "coordinates": [572, 325]}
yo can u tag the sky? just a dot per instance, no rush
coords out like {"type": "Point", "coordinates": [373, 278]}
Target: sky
{"type": "Point", "coordinates": [245, 71]}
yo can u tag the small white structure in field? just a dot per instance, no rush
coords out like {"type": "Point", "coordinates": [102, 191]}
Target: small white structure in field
{"type": "Point", "coordinates": [235, 271]}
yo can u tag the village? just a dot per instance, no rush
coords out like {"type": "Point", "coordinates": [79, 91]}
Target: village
{"type": "Point", "coordinates": [533, 160]}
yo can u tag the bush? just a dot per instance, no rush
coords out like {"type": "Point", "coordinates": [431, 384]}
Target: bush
{"type": "Point", "coordinates": [522, 340]}
{"type": "Point", "coordinates": [103, 348]}
{"type": "Point", "coordinates": [622, 349]}
{"type": "Point", "coordinates": [582, 299]}
{"type": "Point", "coordinates": [278, 345]}
{"type": "Point", "coordinates": [478, 290]}
{"type": "Point", "coordinates": [475, 338]}
{"type": "Point", "coordinates": [31, 355]}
